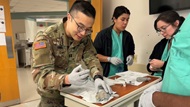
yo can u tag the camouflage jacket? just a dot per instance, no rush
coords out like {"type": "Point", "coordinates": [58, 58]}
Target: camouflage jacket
{"type": "Point", "coordinates": [55, 55]}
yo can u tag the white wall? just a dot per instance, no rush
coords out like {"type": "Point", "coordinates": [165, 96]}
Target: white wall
{"type": "Point", "coordinates": [18, 26]}
{"type": "Point", "coordinates": [140, 25]}
{"type": "Point", "coordinates": [31, 29]}
{"type": "Point", "coordinates": [27, 26]}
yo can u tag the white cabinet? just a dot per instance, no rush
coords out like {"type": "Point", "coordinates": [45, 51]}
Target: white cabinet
{"type": "Point", "coordinates": [28, 56]}
{"type": "Point", "coordinates": [21, 36]}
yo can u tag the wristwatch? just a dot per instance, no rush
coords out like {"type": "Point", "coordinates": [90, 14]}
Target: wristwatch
{"type": "Point", "coordinates": [66, 85]}
{"type": "Point", "coordinates": [98, 76]}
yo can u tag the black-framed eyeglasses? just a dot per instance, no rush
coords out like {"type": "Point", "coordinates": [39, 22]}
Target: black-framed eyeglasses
{"type": "Point", "coordinates": [82, 28]}
{"type": "Point", "coordinates": [163, 29]}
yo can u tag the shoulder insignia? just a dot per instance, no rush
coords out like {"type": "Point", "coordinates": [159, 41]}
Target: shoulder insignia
{"type": "Point", "coordinates": [39, 45]}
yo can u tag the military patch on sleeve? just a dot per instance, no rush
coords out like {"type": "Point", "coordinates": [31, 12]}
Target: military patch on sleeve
{"type": "Point", "coordinates": [39, 45]}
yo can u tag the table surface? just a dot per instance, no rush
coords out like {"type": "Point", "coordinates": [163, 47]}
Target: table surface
{"type": "Point", "coordinates": [123, 92]}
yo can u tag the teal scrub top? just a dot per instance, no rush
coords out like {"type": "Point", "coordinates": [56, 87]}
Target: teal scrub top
{"type": "Point", "coordinates": [117, 51]}
{"type": "Point", "coordinates": [177, 73]}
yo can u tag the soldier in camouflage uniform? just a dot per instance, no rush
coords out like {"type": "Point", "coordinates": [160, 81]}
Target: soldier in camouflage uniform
{"type": "Point", "coordinates": [57, 52]}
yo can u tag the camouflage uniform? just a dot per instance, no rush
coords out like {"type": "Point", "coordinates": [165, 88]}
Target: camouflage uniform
{"type": "Point", "coordinates": [55, 55]}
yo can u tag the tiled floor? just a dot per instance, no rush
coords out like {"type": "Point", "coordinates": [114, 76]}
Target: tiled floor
{"type": "Point", "coordinates": [31, 103]}
{"type": "Point", "coordinates": [27, 88]}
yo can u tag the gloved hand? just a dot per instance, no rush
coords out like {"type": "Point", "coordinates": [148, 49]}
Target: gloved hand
{"type": "Point", "coordinates": [146, 96]}
{"type": "Point", "coordinates": [129, 60]}
{"type": "Point", "coordinates": [78, 76]}
{"type": "Point", "coordinates": [102, 95]}
{"type": "Point", "coordinates": [115, 60]}
{"type": "Point", "coordinates": [100, 84]}
{"type": "Point", "coordinates": [103, 91]}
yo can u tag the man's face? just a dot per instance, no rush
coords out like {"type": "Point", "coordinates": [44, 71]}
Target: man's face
{"type": "Point", "coordinates": [79, 25]}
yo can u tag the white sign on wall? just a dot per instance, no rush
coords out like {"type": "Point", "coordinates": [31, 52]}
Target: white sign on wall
{"type": "Point", "coordinates": [2, 39]}
{"type": "Point", "coordinates": [2, 19]}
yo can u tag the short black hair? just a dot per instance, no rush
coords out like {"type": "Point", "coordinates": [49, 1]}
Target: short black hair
{"type": "Point", "coordinates": [119, 10]}
{"type": "Point", "coordinates": [83, 6]}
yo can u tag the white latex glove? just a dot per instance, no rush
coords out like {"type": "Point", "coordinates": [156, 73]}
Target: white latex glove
{"type": "Point", "coordinates": [155, 87]}
{"type": "Point", "coordinates": [102, 95]}
{"type": "Point", "coordinates": [100, 84]}
{"type": "Point", "coordinates": [129, 60]}
{"type": "Point", "coordinates": [146, 97]}
{"type": "Point", "coordinates": [115, 60]}
{"type": "Point", "coordinates": [79, 76]}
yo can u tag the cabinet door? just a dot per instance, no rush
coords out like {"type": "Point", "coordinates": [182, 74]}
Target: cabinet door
{"type": "Point", "coordinates": [98, 20]}
{"type": "Point", "coordinates": [9, 90]}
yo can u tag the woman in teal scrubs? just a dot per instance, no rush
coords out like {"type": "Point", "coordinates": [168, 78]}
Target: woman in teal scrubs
{"type": "Point", "coordinates": [115, 45]}
{"type": "Point", "coordinates": [158, 60]}
{"type": "Point", "coordinates": [175, 88]}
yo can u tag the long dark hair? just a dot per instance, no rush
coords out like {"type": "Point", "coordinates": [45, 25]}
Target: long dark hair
{"type": "Point", "coordinates": [169, 17]}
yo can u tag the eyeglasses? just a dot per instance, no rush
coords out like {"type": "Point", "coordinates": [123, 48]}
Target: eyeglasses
{"type": "Point", "coordinates": [162, 29]}
{"type": "Point", "coordinates": [82, 28]}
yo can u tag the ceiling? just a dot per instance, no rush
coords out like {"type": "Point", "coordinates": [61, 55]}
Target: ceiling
{"type": "Point", "coordinates": [38, 9]}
